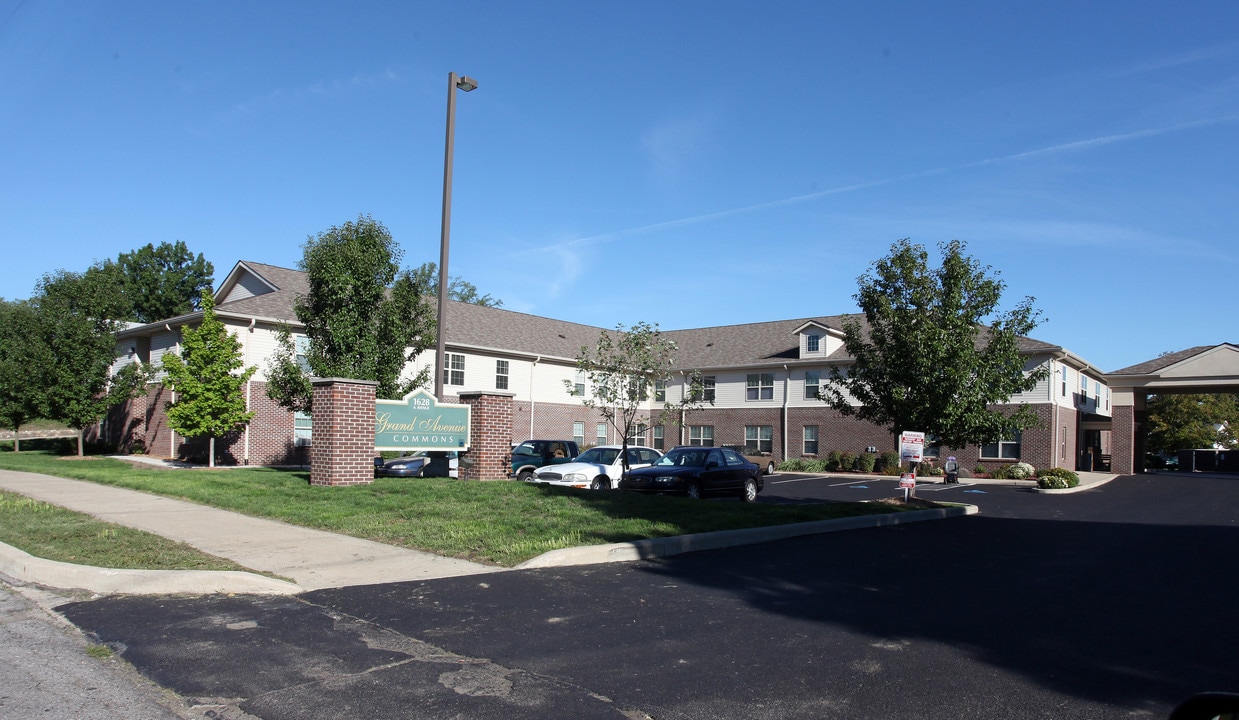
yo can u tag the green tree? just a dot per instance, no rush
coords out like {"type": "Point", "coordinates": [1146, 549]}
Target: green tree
{"type": "Point", "coordinates": [925, 360]}
{"type": "Point", "coordinates": [458, 289]}
{"type": "Point", "coordinates": [1183, 422]}
{"type": "Point", "coordinates": [79, 339]}
{"type": "Point", "coordinates": [628, 369]}
{"type": "Point", "coordinates": [21, 352]}
{"type": "Point", "coordinates": [364, 318]}
{"type": "Point", "coordinates": [208, 389]}
{"type": "Point", "coordinates": [164, 281]}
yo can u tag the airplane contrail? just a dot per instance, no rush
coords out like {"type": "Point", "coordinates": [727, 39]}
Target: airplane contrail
{"type": "Point", "coordinates": [1049, 150]}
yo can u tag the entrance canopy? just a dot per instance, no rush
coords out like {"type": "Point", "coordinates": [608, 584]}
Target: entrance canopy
{"type": "Point", "coordinates": [1205, 369]}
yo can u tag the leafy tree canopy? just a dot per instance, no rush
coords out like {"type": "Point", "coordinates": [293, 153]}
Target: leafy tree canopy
{"type": "Point", "coordinates": [628, 369]}
{"type": "Point", "coordinates": [364, 319]}
{"type": "Point", "coordinates": [209, 391]}
{"type": "Point", "coordinates": [164, 281]}
{"type": "Point", "coordinates": [21, 352]}
{"type": "Point", "coordinates": [1185, 422]}
{"type": "Point", "coordinates": [79, 347]}
{"type": "Point", "coordinates": [458, 289]}
{"type": "Point", "coordinates": [925, 360]}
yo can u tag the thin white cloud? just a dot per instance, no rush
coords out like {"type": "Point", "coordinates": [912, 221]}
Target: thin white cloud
{"type": "Point", "coordinates": [1014, 157]}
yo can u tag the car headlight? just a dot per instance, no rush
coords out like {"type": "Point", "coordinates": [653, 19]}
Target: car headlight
{"type": "Point", "coordinates": [665, 479]}
{"type": "Point", "coordinates": [575, 477]}
{"type": "Point", "coordinates": [396, 467]}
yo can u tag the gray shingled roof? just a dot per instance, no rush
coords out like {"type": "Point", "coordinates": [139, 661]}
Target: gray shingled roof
{"type": "Point", "coordinates": [502, 330]}
{"type": "Point", "coordinates": [1158, 364]}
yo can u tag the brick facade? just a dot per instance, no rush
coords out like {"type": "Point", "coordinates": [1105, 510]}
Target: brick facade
{"type": "Point", "coordinates": [1124, 439]}
{"type": "Point", "coordinates": [499, 420]}
{"type": "Point", "coordinates": [490, 417]}
{"type": "Point", "coordinates": [343, 448]}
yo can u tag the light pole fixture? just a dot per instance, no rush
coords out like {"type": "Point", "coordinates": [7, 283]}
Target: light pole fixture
{"type": "Point", "coordinates": [464, 83]}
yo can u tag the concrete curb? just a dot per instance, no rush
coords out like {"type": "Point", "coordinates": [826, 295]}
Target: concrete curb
{"type": "Point", "coordinates": [25, 567]}
{"type": "Point", "coordinates": [667, 547]}
{"type": "Point", "coordinates": [1089, 485]}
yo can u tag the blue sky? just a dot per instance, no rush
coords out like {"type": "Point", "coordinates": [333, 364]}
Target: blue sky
{"type": "Point", "coordinates": [686, 163]}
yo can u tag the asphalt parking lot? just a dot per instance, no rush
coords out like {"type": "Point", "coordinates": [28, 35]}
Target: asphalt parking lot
{"type": "Point", "coordinates": [1110, 603]}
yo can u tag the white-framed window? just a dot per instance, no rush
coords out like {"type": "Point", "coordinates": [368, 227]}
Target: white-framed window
{"type": "Point", "coordinates": [759, 438]}
{"type": "Point", "coordinates": [810, 439]}
{"type": "Point", "coordinates": [502, 370]}
{"type": "Point", "coordinates": [303, 429]}
{"type": "Point", "coordinates": [706, 393]}
{"type": "Point", "coordinates": [1107, 398]}
{"type": "Point", "coordinates": [1002, 450]}
{"type": "Point", "coordinates": [601, 434]}
{"type": "Point", "coordinates": [702, 435]}
{"type": "Point", "coordinates": [636, 434]}
{"type": "Point", "coordinates": [814, 343]}
{"type": "Point", "coordinates": [759, 386]}
{"type": "Point", "coordinates": [660, 390]}
{"type": "Point", "coordinates": [812, 384]}
{"type": "Point", "coordinates": [1063, 371]}
{"type": "Point", "coordinates": [578, 386]}
{"type": "Point", "coordinates": [301, 349]}
{"type": "Point", "coordinates": [578, 433]}
{"type": "Point", "coordinates": [659, 441]}
{"type": "Point", "coordinates": [453, 369]}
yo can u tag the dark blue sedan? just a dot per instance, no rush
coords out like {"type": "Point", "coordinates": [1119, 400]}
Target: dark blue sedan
{"type": "Point", "coordinates": [697, 472]}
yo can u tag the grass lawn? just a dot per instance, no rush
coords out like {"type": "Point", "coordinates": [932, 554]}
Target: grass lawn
{"type": "Point", "coordinates": [54, 533]}
{"type": "Point", "coordinates": [502, 522]}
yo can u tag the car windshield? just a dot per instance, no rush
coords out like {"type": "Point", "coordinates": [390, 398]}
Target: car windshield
{"type": "Point", "coordinates": [601, 456]}
{"type": "Point", "coordinates": [684, 458]}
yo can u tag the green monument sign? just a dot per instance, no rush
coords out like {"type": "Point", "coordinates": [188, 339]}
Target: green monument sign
{"type": "Point", "coordinates": [419, 422]}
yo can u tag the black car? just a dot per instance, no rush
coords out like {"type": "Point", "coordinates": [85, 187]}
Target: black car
{"type": "Point", "coordinates": [698, 472]}
{"type": "Point", "coordinates": [414, 465]}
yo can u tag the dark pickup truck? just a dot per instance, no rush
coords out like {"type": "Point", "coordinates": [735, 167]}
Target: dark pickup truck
{"type": "Point", "coordinates": [533, 454]}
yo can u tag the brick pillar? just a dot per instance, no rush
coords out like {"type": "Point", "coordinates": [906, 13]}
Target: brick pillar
{"type": "Point", "coordinates": [342, 451]}
{"type": "Point", "coordinates": [490, 433]}
{"type": "Point", "coordinates": [1123, 438]}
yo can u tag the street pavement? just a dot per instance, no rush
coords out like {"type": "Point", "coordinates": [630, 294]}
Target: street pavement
{"type": "Point", "coordinates": [47, 673]}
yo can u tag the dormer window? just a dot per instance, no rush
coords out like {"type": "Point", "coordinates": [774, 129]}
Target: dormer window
{"type": "Point", "coordinates": [815, 342]}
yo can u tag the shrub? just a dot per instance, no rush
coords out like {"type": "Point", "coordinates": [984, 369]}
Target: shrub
{"type": "Point", "coordinates": [886, 461]}
{"type": "Point", "coordinates": [1057, 479]}
{"type": "Point", "coordinates": [1021, 471]}
{"type": "Point", "coordinates": [816, 465]}
{"type": "Point", "coordinates": [930, 470]}
{"type": "Point", "coordinates": [865, 462]}
{"type": "Point", "coordinates": [981, 470]}
{"type": "Point", "coordinates": [847, 461]}
{"type": "Point", "coordinates": [834, 460]}
{"type": "Point", "coordinates": [793, 465]}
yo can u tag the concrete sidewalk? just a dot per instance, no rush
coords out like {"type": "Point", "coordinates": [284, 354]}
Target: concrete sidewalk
{"type": "Point", "coordinates": [312, 559]}
{"type": "Point", "coordinates": [315, 559]}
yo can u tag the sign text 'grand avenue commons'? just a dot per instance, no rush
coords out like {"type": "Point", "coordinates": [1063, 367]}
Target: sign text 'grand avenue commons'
{"type": "Point", "coordinates": [420, 422]}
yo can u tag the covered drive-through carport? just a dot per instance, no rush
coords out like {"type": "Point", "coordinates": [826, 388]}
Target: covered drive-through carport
{"type": "Point", "coordinates": [1204, 369]}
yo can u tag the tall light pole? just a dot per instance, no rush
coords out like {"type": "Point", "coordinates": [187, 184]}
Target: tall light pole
{"type": "Point", "coordinates": [466, 84]}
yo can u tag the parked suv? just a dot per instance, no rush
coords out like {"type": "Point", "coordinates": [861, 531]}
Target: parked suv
{"type": "Point", "coordinates": [533, 454]}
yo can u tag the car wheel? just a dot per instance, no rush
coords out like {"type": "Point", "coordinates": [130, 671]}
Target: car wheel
{"type": "Point", "coordinates": [770, 468]}
{"type": "Point", "coordinates": [600, 483]}
{"type": "Point", "coordinates": [525, 475]}
{"type": "Point", "coordinates": [693, 490]}
{"type": "Point", "coordinates": [750, 490]}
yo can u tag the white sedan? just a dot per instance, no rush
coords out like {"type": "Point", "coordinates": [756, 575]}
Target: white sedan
{"type": "Point", "coordinates": [598, 468]}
